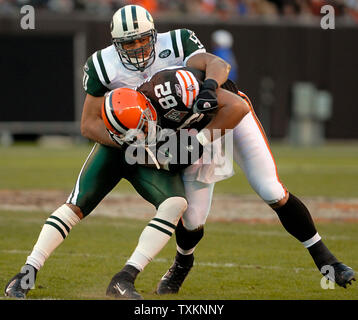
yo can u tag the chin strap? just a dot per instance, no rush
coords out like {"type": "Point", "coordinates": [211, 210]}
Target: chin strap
{"type": "Point", "coordinates": [151, 154]}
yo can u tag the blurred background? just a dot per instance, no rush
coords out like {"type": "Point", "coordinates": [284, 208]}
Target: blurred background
{"type": "Point", "coordinates": [301, 79]}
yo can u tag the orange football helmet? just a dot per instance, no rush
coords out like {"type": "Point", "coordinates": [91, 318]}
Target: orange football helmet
{"type": "Point", "coordinates": [129, 116]}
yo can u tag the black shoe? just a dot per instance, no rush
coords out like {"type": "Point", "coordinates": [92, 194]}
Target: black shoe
{"type": "Point", "coordinates": [122, 287]}
{"type": "Point", "coordinates": [342, 274]}
{"type": "Point", "coordinates": [15, 288]}
{"type": "Point", "coordinates": [174, 278]}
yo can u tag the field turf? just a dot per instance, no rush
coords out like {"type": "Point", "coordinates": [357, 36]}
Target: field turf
{"type": "Point", "coordinates": [234, 261]}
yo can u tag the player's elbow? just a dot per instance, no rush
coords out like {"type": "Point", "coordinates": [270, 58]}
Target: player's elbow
{"type": "Point", "coordinates": [225, 65]}
{"type": "Point", "coordinates": [86, 130]}
{"type": "Point", "coordinates": [228, 66]}
{"type": "Point", "coordinates": [242, 107]}
{"type": "Point", "coordinates": [239, 110]}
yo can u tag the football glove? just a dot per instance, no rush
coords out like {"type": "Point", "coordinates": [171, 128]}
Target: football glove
{"type": "Point", "coordinates": [184, 153]}
{"type": "Point", "coordinates": [206, 100]}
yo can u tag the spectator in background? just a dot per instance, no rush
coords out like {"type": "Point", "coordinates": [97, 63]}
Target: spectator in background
{"type": "Point", "coordinates": [218, 9]}
{"type": "Point", "coordinates": [222, 42]}
{"type": "Point", "coordinates": [262, 8]}
{"type": "Point", "coordinates": [150, 5]}
{"type": "Point", "coordinates": [287, 7]}
{"type": "Point", "coordinates": [7, 7]}
{"type": "Point", "coordinates": [242, 7]}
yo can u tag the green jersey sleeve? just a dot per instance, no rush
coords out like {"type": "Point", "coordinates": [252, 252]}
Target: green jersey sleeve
{"type": "Point", "coordinates": [91, 82]}
{"type": "Point", "coordinates": [190, 43]}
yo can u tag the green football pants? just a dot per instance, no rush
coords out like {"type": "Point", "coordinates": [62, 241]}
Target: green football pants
{"type": "Point", "coordinates": [106, 166]}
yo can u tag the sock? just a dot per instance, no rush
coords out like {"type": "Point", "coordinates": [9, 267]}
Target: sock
{"type": "Point", "coordinates": [54, 231]}
{"type": "Point", "coordinates": [296, 219]}
{"type": "Point", "coordinates": [158, 232]}
{"type": "Point", "coordinates": [321, 255]}
{"type": "Point", "coordinates": [153, 238]}
{"type": "Point", "coordinates": [185, 260]}
{"type": "Point", "coordinates": [187, 239]}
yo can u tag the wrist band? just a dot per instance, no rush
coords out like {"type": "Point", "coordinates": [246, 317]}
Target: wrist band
{"type": "Point", "coordinates": [211, 83]}
{"type": "Point", "coordinates": [202, 139]}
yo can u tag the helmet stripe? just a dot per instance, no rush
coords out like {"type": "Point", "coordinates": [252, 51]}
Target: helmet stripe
{"type": "Point", "coordinates": [185, 89]}
{"type": "Point", "coordinates": [149, 17]}
{"type": "Point", "coordinates": [111, 116]}
{"type": "Point", "coordinates": [195, 83]}
{"type": "Point", "coordinates": [124, 19]}
{"type": "Point", "coordinates": [191, 86]}
{"type": "Point", "coordinates": [183, 86]}
{"type": "Point", "coordinates": [134, 17]}
{"type": "Point", "coordinates": [107, 119]}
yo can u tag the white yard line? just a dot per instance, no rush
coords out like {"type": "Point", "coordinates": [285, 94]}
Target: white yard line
{"type": "Point", "coordinates": [219, 265]}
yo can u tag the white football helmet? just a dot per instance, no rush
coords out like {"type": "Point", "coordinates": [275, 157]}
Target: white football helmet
{"type": "Point", "coordinates": [130, 23]}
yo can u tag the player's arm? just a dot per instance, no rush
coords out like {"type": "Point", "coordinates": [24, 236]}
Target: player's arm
{"type": "Point", "coordinates": [92, 125]}
{"type": "Point", "coordinates": [215, 68]}
{"type": "Point", "coordinates": [216, 73]}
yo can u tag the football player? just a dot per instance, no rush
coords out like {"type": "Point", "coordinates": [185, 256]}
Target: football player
{"type": "Point", "coordinates": [168, 98]}
{"type": "Point", "coordinates": [251, 151]}
{"type": "Point", "coordinates": [175, 109]}
{"type": "Point", "coordinates": [137, 52]}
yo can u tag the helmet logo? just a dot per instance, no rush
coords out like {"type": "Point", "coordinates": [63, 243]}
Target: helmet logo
{"type": "Point", "coordinates": [165, 53]}
{"type": "Point", "coordinates": [191, 88]}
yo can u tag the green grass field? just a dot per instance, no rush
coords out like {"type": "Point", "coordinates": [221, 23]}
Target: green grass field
{"type": "Point", "coordinates": [330, 171]}
{"type": "Point", "coordinates": [234, 261]}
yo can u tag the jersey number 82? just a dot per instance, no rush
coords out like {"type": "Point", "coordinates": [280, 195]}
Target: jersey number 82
{"type": "Point", "coordinates": [164, 93]}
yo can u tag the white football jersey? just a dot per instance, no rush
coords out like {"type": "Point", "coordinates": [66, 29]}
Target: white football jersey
{"type": "Point", "coordinates": [104, 70]}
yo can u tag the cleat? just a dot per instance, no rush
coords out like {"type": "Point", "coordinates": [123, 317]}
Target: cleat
{"type": "Point", "coordinates": [343, 274]}
{"type": "Point", "coordinates": [15, 288]}
{"type": "Point", "coordinates": [122, 288]}
{"type": "Point", "coordinates": [173, 278]}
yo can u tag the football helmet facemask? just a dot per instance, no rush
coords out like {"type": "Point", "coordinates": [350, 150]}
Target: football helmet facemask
{"type": "Point", "coordinates": [130, 118]}
{"type": "Point", "coordinates": [129, 24]}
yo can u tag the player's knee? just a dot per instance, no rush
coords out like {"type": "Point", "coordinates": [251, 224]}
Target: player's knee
{"type": "Point", "coordinates": [66, 216]}
{"type": "Point", "coordinates": [172, 209]}
{"type": "Point", "coordinates": [192, 224]}
{"type": "Point", "coordinates": [280, 203]}
{"type": "Point", "coordinates": [272, 192]}
{"type": "Point", "coordinates": [76, 209]}
{"type": "Point", "coordinates": [195, 217]}
{"type": "Point", "coordinates": [193, 221]}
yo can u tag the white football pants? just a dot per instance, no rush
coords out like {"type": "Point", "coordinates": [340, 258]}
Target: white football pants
{"type": "Point", "coordinates": [252, 153]}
